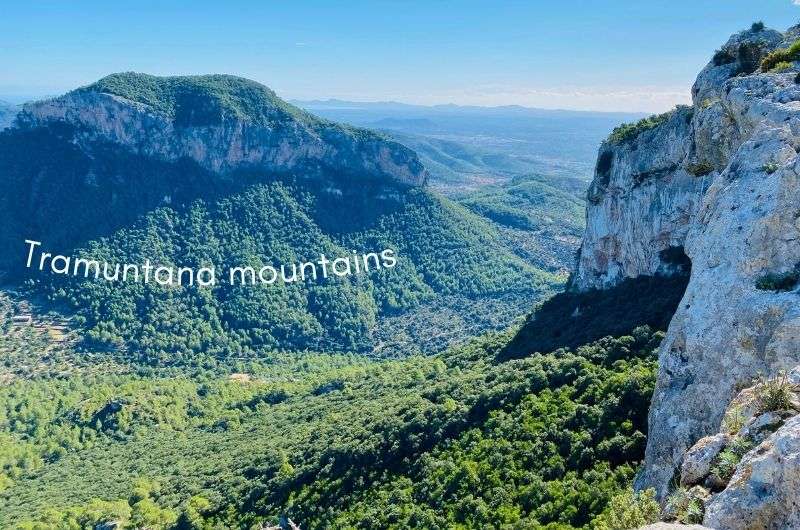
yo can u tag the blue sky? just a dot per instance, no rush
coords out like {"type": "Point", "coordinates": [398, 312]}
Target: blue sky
{"type": "Point", "coordinates": [604, 55]}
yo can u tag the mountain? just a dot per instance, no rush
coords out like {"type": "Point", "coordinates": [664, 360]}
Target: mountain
{"type": "Point", "coordinates": [224, 124]}
{"type": "Point", "coordinates": [466, 147]}
{"type": "Point", "coordinates": [714, 188]}
{"type": "Point", "coordinates": [216, 171]}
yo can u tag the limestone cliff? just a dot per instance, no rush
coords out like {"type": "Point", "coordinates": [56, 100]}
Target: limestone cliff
{"type": "Point", "coordinates": [720, 180]}
{"type": "Point", "coordinates": [223, 123]}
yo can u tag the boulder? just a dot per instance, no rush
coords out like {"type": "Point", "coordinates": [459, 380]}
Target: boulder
{"type": "Point", "coordinates": [697, 461]}
{"type": "Point", "coordinates": [764, 492]}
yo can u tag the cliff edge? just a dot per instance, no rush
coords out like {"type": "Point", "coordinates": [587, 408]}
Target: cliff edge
{"type": "Point", "coordinates": [717, 181]}
{"type": "Point", "coordinates": [223, 123]}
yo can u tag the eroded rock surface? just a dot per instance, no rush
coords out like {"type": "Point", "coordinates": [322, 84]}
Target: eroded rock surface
{"type": "Point", "coordinates": [721, 181]}
{"type": "Point", "coordinates": [764, 493]}
{"type": "Point", "coordinates": [697, 461]}
{"type": "Point", "coordinates": [224, 123]}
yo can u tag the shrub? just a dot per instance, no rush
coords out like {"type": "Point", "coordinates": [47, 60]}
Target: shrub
{"type": "Point", "coordinates": [770, 167]}
{"type": "Point", "coordinates": [629, 131]}
{"type": "Point", "coordinates": [733, 421]}
{"type": "Point", "coordinates": [792, 53]}
{"type": "Point", "coordinates": [781, 281]}
{"type": "Point", "coordinates": [629, 510]}
{"type": "Point", "coordinates": [725, 462]}
{"type": "Point", "coordinates": [694, 513]}
{"type": "Point", "coordinates": [774, 394]}
{"type": "Point", "coordinates": [757, 27]}
{"type": "Point", "coordinates": [722, 57]}
{"type": "Point", "coordinates": [699, 169]}
{"type": "Point", "coordinates": [781, 67]}
{"type": "Point", "coordinates": [725, 465]}
{"type": "Point", "coordinates": [684, 507]}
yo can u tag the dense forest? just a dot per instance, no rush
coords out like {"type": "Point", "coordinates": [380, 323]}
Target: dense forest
{"type": "Point", "coordinates": [459, 263]}
{"type": "Point", "coordinates": [461, 439]}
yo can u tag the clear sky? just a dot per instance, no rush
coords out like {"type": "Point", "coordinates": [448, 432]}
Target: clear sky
{"type": "Point", "coordinates": [604, 55]}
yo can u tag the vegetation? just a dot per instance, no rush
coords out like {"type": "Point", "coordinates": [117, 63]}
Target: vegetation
{"type": "Point", "coordinates": [723, 57]}
{"type": "Point", "coordinates": [700, 169]}
{"type": "Point", "coordinates": [747, 55]}
{"type": "Point", "coordinates": [229, 407]}
{"type": "Point", "coordinates": [733, 420]}
{"type": "Point", "coordinates": [684, 507]}
{"type": "Point", "coordinates": [775, 394]}
{"type": "Point", "coordinates": [782, 281]}
{"type": "Point", "coordinates": [757, 27]}
{"type": "Point", "coordinates": [570, 319]}
{"type": "Point", "coordinates": [627, 132]}
{"type": "Point", "coordinates": [541, 222]}
{"type": "Point", "coordinates": [454, 440]}
{"type": "Point", "coordinates": [629, 509]}
{"type": "Point", "coordinates": [781, 67]}
{"type": "Point", "coordinates": [724, 464]}
{"type": "Point", "coordinates": [444, 250]}
{"type": "Point", "coordinates": [781, 55]}
{"type": "Point", "coordinates": [202, 99]}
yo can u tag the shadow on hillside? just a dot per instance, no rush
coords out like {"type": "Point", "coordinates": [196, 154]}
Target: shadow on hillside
{"type": "Point", "coordinates": [570, 319]}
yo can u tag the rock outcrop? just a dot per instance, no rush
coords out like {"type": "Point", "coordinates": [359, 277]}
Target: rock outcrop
{"type": "Point", "coordinates": [640, 203]}
{"type": "Point", "coordinates": [224, 123]}
{"type": "Point", "coordinates": [720, 180]}
{"type": "Point", "coordinates": [749, 474]}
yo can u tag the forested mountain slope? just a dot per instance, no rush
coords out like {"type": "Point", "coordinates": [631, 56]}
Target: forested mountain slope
{"type": "Point", "coordinates": [330, 441]}
{"type": "Point", "coordinates": [217, 171]}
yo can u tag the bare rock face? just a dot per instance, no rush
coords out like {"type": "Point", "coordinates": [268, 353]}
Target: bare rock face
{"type": "Point", "coordinates": [722, 180]}
{"type": "Point", "coordinates": [752, 469]}
{"type": "Point", "coordinates": [223, 123]}
{"type": "Point", "coordinates": [640, 204]}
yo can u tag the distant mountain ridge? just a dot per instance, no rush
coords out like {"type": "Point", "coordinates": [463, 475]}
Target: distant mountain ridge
{"type": "Point", "coordinates": [334, 103]}
{"type": "Point", "coordinates": [466, 147]}
{"type": "Point", "coordinates": [7, 114]}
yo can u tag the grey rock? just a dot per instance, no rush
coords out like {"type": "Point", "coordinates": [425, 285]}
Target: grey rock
{"type": "Point", "coordinates": [756, 426]}
{"type": "Point", "coordinates": [764, 492]}
{"type": "Point", "coordinates": [736, 224]}
{"type": "Point", "coordinates": [794, 375]}
{"type": "Point", "coordinates": [640, 203]}
{"type": "Point", "coordinates": [697, 461]}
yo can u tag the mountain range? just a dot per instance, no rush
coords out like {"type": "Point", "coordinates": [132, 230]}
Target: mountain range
{"type": "Point", "coordinates": [658, 381]}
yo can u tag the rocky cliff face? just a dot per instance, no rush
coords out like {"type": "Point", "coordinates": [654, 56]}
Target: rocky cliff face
{"type": "Point", "coordinates": [719, 179]}
{"type": "Point", "coordinates": [223, 123]}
